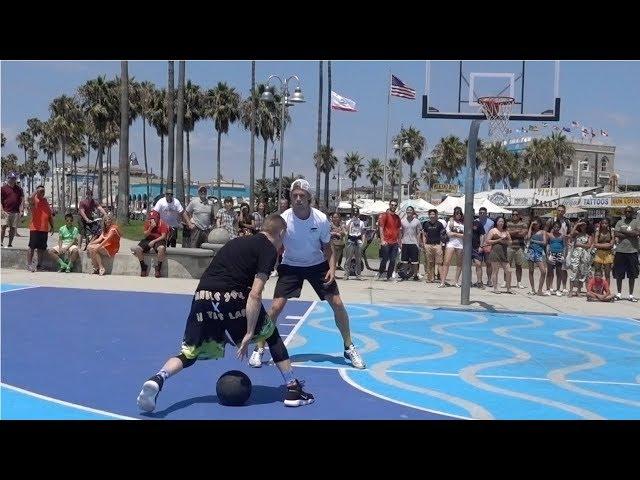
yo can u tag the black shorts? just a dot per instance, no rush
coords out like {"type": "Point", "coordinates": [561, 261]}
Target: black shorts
{"type": "Point", "coordinates": [477, 254]}
{"type": "Point", "coordinates": [290, 280]}
{"type": "Point", "coordinates": [214, 313]}
{"type": "Point", "coordinates": [625, 264]}
{"type": "Point", "coordinates": [144, 245]}
{"type": "Point", "coordinates": [172, 237]}
{"type": "Point", "coordinates": [38, 240]}
{"type": "Point", "coordinates": [410, 253]}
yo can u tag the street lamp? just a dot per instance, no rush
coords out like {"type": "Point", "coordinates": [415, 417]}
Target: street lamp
{"type": "Point", "coordinates": [405, 146]}
{"type": "Point", "coordinates": [285, 100]}
{"type": "Point", "coordinates": [274, 163]}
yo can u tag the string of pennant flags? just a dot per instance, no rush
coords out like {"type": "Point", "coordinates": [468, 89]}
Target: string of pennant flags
{"type": "Point", "coordinates": [575, 127]}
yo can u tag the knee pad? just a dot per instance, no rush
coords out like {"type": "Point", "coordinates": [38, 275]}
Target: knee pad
{"type": "Point", "coordinates": [277, 348]}
{"type": "Point", "coordinates": [186, 362]}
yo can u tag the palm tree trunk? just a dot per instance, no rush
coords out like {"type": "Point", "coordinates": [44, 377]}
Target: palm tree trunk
{"type": "Point", "coordinates": [171, 136]}
{"type": "Point", "coordinates": [374, 192]}
{"type": "Point", "coordinates": [161, 164]}
{"type": "Point", "coordinates": [252, 159]}
{"type": "Point", "coordinates": [109, 192]}
{"type": "Point", "coordinates": [144, 149]}
{"type": "Point", "coordinates": [188, 170]}
{"type": "Point", "coordinates": [326, 182]}
{"type": "Point", "coordinates": [264, 161]}
{"type": "Point", "coordinates": [86, 177]}
{"type": "Point", "coordinates": [180, 134]}
{"type": "Point", "coordinates": [123, 163]}
{"type": "Point", "coordinates": [353, 193]}
{"type": "Point", "coordinates": [64, 191]}
{"type": "Point", "coordinates": [53, 178]}
{"type": "Point", "coordinates": [100, 161]}
{"type": "Point", "coordinates": [319, 141]}
{"type": "Point", "coordinates": [410, 178]}
{"type": "Point", "coordinates": [218, 176]}
{"type": "Point", "coordinates": [75, 180]}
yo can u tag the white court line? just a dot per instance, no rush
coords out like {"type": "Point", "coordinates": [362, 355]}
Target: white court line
{"type": "Point", "coordinates": [294, 317]}
{"type": "Point", "coordinates": [67, 404]}
{"type": "Point", "coordinates": [448, 374]}
{"type": "Point", "coordinates": [21, 288]}
{"type": "Point", "coordinates": [299, 324]}
{"type": "Point", "coordinates": [343, 374]}
{"type": "Point", "coordinates": [288, 324]}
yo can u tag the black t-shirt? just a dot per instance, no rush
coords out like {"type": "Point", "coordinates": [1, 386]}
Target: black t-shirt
{"type": "Point", "coordinates": [478, 230]}
{"type": "Point", "coordinates": [238, 262]}
{"type": "Point", "coordinates": [432, 231]}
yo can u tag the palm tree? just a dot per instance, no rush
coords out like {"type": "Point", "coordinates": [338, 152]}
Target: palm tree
{"type": "Point", "coordinates": [3, 140]}
{"type": "Point", "coordinates": [25, 141]}
{"type": "Point", "coordinates": [495, 157]}
{"type": "Point", "coordinates": [193, 105]}
{"type": "Point", "coordinates": [180, 133]}
{"type": "Point", "coordinates": [223, 107]}
{"type": "Point", "coordinates": [538, 157]}
{"type": "Point", "coordinates": [100, 106]}
{"type": "Point", "coordinates": [375, 171]}
{"type": "Point", "coordinates": [49, 146]}
{"type": "Point", "coordinates": [145, 108]}
{"type": "Point", "coordinates": [429, 174]}
{"type": "Point", "coordinates": [319, 141]}
{"type": "Point", "coordinates": [561, 154]}
{"type": "Point", "coordinates": [30, 169]}
{"type": "Point", "coordinates": [328, 144]}
{"type": "Point", "coordinates": [516, 170]}
{"type": "Point", "coordinates": [66, 118]}
{"type": "Point", "coordinates": [9, 164]}
{"type": "Point", "coordinates": [262, 190]}
{"type": "Point", "coordinates": [76, 150]}
{"type": "Point", "coordinates": [123, 167]}
{"type": "Point", "coordinates": [417, 142]}
{"type": "Point", "coordinates": [158, 118]}
{"type": "Point", "coordinates": [449, 156]}
{"type": "Point", "coordinates": [170, 103]}
{"type": "Point", "coordinates": [353, 168]}
{"type": "Point", "coordinates": [326, 160]}
{"type": "Point", "coordinates": [393, 173]}
{"type": "Point", "coordinates": [252, 128]}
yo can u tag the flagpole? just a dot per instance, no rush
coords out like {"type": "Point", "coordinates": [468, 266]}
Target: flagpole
{"type": "Point", "coordinates": [386, 142]}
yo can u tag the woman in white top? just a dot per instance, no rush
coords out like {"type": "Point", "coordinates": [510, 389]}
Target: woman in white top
{"type": "Point", "coordinates": [455, 230]}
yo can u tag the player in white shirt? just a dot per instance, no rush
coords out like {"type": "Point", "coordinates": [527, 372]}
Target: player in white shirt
{"type": "Point", "coordinates": [308, 256]}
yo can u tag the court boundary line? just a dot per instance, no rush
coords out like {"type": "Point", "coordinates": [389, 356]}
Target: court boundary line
{"type": "Point", "coordinates": [66, 404]}
{"type": "Point", "coordinates": [302, 320]}
{"type": "Point", "coordinates": [21, 288]}
{"type": "Point", "coordinates": [345, 377]}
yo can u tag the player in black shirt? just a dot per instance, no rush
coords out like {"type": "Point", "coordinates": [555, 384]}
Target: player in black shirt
{"type": "Point", "coordinates": [229, 298]}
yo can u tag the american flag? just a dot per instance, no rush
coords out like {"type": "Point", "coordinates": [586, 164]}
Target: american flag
{"type": "Point", "coordinates": [399, 89]}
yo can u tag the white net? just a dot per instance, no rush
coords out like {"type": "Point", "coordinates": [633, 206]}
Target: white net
{"type": "Point", "coordinates": [497, 111]}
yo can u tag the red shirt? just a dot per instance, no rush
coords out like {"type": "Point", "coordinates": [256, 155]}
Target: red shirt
{"type": "Point", "coordinates": [11, 198]}
{"type": "Point", "coordinates": [390, 223]}
{"type": "Point", "coordinates": [160, 228]}
{"type": "Point", "coordinates": [597, 285]}
{"type": "Point", "coordinates": [40, 215]}
{"type": "Point", "coordinates": [88, 206]}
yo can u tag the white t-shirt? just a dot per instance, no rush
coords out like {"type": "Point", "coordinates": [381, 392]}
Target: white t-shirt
{"type": "Point", "coordinates": [457, 227]}
{"type": "Point", "coordinates": [169, 212]}
{"type": "Point", "coordinates": [302, 243]}
{"type": "Point", "coordinates": [355, 227]}
{"type": "Point", "coordinates": [410, 231]}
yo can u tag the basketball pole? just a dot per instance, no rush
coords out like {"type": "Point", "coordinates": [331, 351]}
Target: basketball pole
{"type": "Point", "coordinates": [468, 212]}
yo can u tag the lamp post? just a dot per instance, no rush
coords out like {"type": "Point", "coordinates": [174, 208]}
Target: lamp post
{"type": "Point", "coordinates": [396, 148]}
{"type": "Point", "coordinates": [285, 100]}
{"type": "Point", "coordinates": [274, 163]}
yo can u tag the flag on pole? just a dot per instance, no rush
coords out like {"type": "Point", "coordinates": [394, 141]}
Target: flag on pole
{"type": "Point", "coordinates": [399, 89]}
{"type": "Point", "coordinates": [338, 102]}
{"type": "Point", "coordinates": [575, 124]}
{"type": "Point", "coordinates": [566, 129]}
{"type": "Point", "coordinates": [603, 133]}
{"type": "Point", "coordinates": [593, 133]}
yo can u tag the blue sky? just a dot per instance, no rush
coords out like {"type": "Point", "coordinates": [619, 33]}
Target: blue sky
{"type": "Point", "coordinates": [601, 94]}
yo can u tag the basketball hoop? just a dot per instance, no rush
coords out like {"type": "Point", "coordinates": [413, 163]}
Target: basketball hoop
{"type": "Point", "coordinates": [497, 111]}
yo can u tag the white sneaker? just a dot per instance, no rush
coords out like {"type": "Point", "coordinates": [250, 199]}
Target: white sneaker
{"type": "Point", "coordinates": [148, 395]}
{"type": "Point", "coordinates": [354, 357]}
{"type": "Point", "coordinates": [547, 293]}
{"type": "Point", "coordinates": [559, 293]}
{"type": "Point", "coordinates": [520, 285]}
{"type": "Point", "coordinates": [255, 360]}
{"type": "Point", "coordinates": [503, 285]}
{"type": "Point", "coordinates": [618, 296]}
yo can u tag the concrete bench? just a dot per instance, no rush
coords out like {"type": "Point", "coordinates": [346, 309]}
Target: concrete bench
{"type": "Point", "coordinates": [180, 262]}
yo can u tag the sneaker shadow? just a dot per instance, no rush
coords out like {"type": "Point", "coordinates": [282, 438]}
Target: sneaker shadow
{"type": "Point", "coordinates": [319, 358]}
{"type": "Point", "coordinates": [260, 395]}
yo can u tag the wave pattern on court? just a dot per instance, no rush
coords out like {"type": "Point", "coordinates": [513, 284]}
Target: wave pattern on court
{"type": "Point", "coordinates": [73, 353]}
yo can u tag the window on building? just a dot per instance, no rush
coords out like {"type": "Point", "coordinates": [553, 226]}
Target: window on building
{"type": "Point", "coordinates": [567, 183]}
{"type": "Point", "coordinates": [586, 183]}
{"type": "Point", "coordinates": [603, 164]}
{"type": "Point", "coordinates": [585, 164]}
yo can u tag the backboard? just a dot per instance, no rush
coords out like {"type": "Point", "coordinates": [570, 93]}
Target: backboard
{"type": "Point", "coordinates": [452, 88]}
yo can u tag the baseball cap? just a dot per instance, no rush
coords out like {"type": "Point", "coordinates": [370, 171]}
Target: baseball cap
{"type": "Point", "coordinates": [12, 175]}
{"type": "Point", "coordinates": [202, 189]}
{"type": "Point", "coordinates": [302, 184]}
{"type": "Point", "coordinates": [154, 215]}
